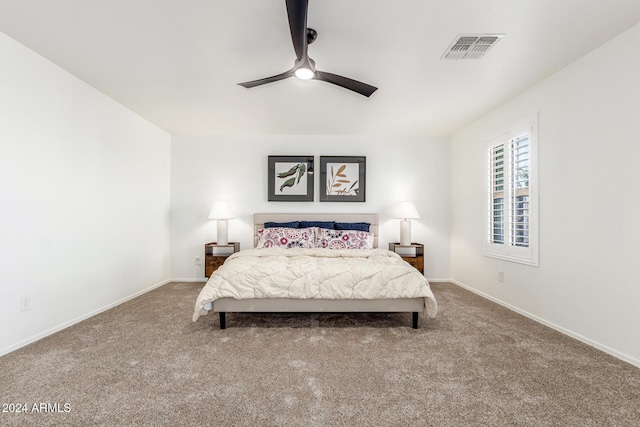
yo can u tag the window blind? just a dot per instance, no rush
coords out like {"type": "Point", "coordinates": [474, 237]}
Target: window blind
{"type": "Point", "coordinates": [519, 191]}
{"type": "Point", "coordinates": [509, 169]}
{"type": "Point", "coordinates": [497, 170]}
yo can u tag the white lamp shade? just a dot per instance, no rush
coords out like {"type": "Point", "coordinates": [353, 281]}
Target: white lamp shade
{"type": "Point", "coordinates": [221, 210]}
{"type": "Point", "coordinates": [406, 210]}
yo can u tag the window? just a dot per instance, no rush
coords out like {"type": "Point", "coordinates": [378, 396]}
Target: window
{"type": "Point", "coordinates": [512, 202]}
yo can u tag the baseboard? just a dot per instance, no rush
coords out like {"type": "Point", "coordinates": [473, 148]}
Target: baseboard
{"type": "Point", "coordinates": [432, 280]}
{"type": "Point", "coordinates": [65, 325]}
{"type": "Point", "coordinates": [581, 338]}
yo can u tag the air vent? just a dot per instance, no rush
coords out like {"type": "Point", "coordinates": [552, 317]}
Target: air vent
{"type": "Point", "coordinates": [471, 46]}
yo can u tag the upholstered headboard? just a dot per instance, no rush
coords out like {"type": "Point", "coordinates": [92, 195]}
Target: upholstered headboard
{"type": "Point", "coordinates": [260, 218]}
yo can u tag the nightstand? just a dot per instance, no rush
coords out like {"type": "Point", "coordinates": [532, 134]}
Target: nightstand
{"type": "Point", "coordinates": [215, 255]}
{"type": "Point", "coordinates": [413, 254]}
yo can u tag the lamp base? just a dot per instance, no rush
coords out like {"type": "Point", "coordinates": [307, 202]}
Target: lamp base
{"type": "Point", "coordinates": [223, 232]}
{"type": "Point", "coordinates": [405, 232]}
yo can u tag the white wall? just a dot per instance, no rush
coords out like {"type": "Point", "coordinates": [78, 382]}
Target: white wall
{"type": "Point", "coordinates": [84, 193]}
{"type": "Point", "coordinates": [588, 282]}
{"type": "Point", "coordinates": [234, 168]}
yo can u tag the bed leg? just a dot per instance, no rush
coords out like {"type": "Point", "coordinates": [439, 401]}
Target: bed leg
{"type": "Point", "coordinates": [415, 320]}
{"type": "Point", "coordinates": [223, 320]}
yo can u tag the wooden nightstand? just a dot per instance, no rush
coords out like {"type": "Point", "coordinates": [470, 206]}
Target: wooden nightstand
{"type": "Point", "coordinates": [413, 254]}
{"type": "Point", "coordinates": [215, 255]}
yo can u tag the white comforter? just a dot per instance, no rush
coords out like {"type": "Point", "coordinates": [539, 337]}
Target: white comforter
{"type": "Point", "coordinates": [316, 273]}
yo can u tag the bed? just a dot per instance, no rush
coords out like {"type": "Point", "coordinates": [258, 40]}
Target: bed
{"type": "Point", "coordinates": [309, 274]}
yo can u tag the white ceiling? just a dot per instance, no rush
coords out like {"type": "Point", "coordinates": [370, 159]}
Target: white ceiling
{"type": "Point", "coordinates": [177, 62]}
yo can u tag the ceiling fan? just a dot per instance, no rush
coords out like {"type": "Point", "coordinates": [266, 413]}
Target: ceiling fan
{"type": "Point", "coordinates": [304, 67]}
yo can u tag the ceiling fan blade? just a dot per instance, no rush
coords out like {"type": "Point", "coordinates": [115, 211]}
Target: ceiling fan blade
{"type": "Point", "coordinates": [297, 11]}
{"type": "Point", "coordinates": [347, 83]}
{"type": "Point", "coordinates": [271, 79]}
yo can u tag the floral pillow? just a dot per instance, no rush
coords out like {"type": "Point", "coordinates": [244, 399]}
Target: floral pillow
{"type": "Point", "coordinates": [285, 237]}
{"type": "Point", "coordinates": [343, 239]}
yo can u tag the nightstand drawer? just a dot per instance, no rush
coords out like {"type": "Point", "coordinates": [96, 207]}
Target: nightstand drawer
{"type": "Point", "coordinates": [212, 263]}
{"type": "Point", "coordinates": [413, 254]}
{"type": "Point", "coordinates": [215, 255]}
{"type": "Point", "coordinates": [417, 262]}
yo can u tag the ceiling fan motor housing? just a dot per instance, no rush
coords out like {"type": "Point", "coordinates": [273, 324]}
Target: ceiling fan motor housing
{"type": "Point", "coordinates": [312, 35]}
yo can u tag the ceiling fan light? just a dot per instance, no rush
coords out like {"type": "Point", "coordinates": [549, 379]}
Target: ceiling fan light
{"type": "Point", "coordinates": [304, 73]}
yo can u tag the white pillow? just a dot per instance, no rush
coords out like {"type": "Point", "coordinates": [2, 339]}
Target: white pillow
{"type": "Point", "coordinates": [343, 239]}
{"type": "Point", "coordinates": [286, 237]}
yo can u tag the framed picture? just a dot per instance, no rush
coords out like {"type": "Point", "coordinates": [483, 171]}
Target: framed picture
{"type": "Point", "coordinates": [290, 179]}
{"type": "Point", "coordinates": [342, 179]}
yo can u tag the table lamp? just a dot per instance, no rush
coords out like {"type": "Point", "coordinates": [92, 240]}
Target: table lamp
{"type": "Point", "coordinates": [221, 212]}
{"type": "Point", "coordinates": [406, 211]}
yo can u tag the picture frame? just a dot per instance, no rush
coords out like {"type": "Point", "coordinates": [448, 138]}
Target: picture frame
{"type": "Point", "coordinates": [343, 178]}
{"type": "Point", "coordinates": [290, 179]}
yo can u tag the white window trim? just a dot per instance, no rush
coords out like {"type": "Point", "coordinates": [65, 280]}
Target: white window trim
{"type": "Point", "coordinates": [529, 255]}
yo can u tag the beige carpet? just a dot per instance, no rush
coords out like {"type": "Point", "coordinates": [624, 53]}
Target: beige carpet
{"type": "Point", "coordinates": [477, 364]}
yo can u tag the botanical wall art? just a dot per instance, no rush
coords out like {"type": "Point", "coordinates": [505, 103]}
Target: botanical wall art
{"type": "Point", "coordinates": [342, 179]}
{"type": "Point", "coordinates": [290, 178]}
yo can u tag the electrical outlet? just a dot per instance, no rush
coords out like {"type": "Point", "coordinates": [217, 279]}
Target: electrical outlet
{"type": "Point", "coordinates": [25, 303]}
{"type": "Point", "coordinates": [198, 261]}
{"type": "Point", "coordinates": [501, 276]}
